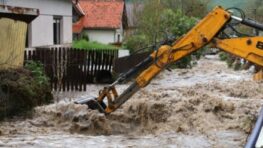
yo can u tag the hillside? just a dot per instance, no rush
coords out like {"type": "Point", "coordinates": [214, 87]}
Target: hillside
{"type": "Point", "coordinates": [228, 3]}
{"type": "Point", "coordinates": [224, 3]}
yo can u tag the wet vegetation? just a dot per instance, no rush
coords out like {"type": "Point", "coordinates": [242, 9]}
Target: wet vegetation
{"type": "Point", "coordinates": [23, 89]}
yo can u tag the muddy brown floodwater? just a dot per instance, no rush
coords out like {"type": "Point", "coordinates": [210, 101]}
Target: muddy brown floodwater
{"type": "Point", "coordinates": [206, 106]}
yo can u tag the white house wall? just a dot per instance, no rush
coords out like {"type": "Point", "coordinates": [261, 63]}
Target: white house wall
{"type": "Point", "coordinates": [67, 29]}
{"type": "Point", "coordinates": [44, 36]}
{"type": "Point", "coordinates": [102, 36]}
{"type": "Point", "coordinates": [105, 36]}
{"type": "Point", "coordinates": [41, 31]}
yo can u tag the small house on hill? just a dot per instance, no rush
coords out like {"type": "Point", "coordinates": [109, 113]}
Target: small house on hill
{"type": "Point", "coordinates": [104, 20]}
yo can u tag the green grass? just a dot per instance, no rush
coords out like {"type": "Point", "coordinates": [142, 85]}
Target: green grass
{"type": "Point", "coordinates": [83, 44]}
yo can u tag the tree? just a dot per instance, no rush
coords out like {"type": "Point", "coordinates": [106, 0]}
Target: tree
{"type": "Point", "coordinates": [255, 10]}
{"type": "Point", "coordinates": [175, 22]}
{"type": "Point", "coordinates": [149, 19]}
{"type": "Point", "coordinates": [156, 22]}
{"type": "Point", "coordinates": [193, 8]}
{"type": "Point", "coordinates": [172, 16]}
{"type": "Point", "coordinates": [157, 19]}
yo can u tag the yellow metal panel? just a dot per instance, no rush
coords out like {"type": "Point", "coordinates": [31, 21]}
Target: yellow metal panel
{"type": "Point", "coordinates": [245, 47]}
{"type": "Point", "coordinates": [12, 43]}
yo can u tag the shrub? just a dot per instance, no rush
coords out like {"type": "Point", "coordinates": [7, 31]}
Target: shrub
{"type": "Point", "coordinates": [37, 70]}
{"type": "Point", "coordinates": [223, 56]}
{"type": "Point", "coordinates": [83, 44]}
{"type": "Point", "coordinates": [85, 36]}
{"type": "Point", "coordinates": [184, 62]}
{"type": "Point", "coordinates": [135, 42]}
{"type": "Point", "coordinates": [231, 60]}
{"type": "Point", "coordinates": [21, 90]}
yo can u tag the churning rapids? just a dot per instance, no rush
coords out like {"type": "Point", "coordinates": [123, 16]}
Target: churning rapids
{"type": "Point", "coordinates": [206, 106]}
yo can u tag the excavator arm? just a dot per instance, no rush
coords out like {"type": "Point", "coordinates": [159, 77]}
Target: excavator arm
{"type": "Point", "coordinates": [205, 32]}
{"type": "Point", "coordinates": [249, 48]}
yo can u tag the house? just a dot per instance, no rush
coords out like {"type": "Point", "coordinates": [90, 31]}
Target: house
{"type": "Point", "coordinates": [53, 25]}
{"type": "Point", "coordinates": [104, 20]}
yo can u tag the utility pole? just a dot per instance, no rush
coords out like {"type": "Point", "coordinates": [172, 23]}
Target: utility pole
{"type": "Point", "coordinates": [255, 14]}
{"type": "Point", "coordinates": [182, 8]}
{"type": "Point", "coordinates": [158, 20]}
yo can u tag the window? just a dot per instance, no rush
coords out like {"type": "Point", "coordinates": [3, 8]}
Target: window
{"type": "Point", "coordinates": [3, 2]}
{"type": "Point", "coordinates": [119, 38]}
{"type": "Point", "coordinates": [57, 22]}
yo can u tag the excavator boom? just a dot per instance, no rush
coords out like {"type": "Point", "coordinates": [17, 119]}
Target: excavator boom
{"type": "Point", "coordinates": [196, 38]}
{"type": "Point", "coordinates": [205, 32]}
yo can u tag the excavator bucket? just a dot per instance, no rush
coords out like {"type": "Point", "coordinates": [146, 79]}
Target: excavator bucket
{"type": "Point", "coordinates": [92, 103]}
{"type": "Point", "coordinates": [259, 75]}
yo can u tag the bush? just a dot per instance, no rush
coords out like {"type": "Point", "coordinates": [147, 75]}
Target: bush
{"type": "Point", "coordinates": [21, 90]}
{"type": "Point", "coordinates": [85, 36]}
{"type": "Point", "coordinates": [184, 62]}
{"type": "Point", "coordinates": [223, 56]}
{"type": "Point", "coordinates": [37, 71]}
{"type": "Point", "coordinates": [231, 60]}
{"type": "Point", "coordinates": [83, 44]}
{"type": "Point", "coordinates": [135, 42]}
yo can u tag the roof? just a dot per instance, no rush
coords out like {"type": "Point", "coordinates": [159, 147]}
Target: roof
{"type": "Point", "coordinates": [18, 13]}
{"type": "Point", "coordinates": [78, 26]}
{"type": "Point", "coordinates": [78, 9]}
{"type": "Point", "coordinates": [100, 14]}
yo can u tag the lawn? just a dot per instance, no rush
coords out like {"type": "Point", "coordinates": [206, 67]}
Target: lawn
{"type": "Point", "coordinates": [84, 44]}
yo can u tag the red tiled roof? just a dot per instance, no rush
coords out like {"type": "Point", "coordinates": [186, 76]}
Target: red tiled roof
{"type": "Point", "coordinates": [77, 27]}
{"type": "Point", "coordinates": [100, 14]}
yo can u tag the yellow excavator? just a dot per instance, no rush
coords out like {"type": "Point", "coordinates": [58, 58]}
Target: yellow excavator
{"type": "Point", "coordinates": [210, 30]}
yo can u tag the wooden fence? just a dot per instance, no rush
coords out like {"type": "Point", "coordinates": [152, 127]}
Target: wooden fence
{"type": "Point", "coordinates": [124, 64]}
{"type": "Point", "coordinates": [71, 69]}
